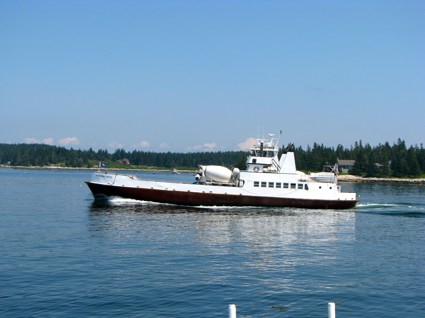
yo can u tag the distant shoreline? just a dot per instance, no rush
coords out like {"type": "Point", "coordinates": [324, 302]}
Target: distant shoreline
{"type": "Point", "coordinates": [95, 168]}
{"type": "Point", "coordinates": [341, 178]}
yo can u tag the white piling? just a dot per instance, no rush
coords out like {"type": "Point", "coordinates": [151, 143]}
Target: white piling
{"type": "Point", "coordinates": [232, 311]}
{"type": "Point", "coordinates": [331, 310]}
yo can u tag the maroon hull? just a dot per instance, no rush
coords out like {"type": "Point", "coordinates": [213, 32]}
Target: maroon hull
{"type": "Point", "coordinates": [210, 199]}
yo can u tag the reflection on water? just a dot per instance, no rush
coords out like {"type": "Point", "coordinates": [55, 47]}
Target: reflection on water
{"type": "Point", "coordinates": [268, 234]}
{"type": "Point", "coordinates": [268, 251]}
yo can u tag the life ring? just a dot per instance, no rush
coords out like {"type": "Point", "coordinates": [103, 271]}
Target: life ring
{"type": "Point", "coordinates": [256, 169]}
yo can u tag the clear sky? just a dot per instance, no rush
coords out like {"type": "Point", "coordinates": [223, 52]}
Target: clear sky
{"type": "Point", "coordinates": [195, 75]}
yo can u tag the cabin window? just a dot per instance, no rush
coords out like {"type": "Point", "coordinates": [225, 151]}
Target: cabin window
{"type": "Point", "coordinates": [286, 185]}
{"type": "Point", "coordinates": [278, 185]}
{"type": "Point", "coordinates": [293, 186]}
{"type": "Point", "coordinates": [306, 186]}
{"type": "Point", "coordinates": [254, 160]}
{"type": "Point", "coordinates": [271, 184]}
{"type": "Point", "coordinates": [300, 186]}
{"type": "Point", "coordinates": [264, 184]}
{"type": "Point", "coordinates": [256, 184]}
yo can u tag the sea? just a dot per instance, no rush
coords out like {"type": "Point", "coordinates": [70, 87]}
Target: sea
{"type": "Point", "coordinates": [64, 255]}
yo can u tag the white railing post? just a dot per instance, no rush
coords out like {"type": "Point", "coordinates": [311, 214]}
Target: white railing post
{"type": "Point", "coordinates": [331, 310]}
{"type": "Point", "coordinates": [232, 311]}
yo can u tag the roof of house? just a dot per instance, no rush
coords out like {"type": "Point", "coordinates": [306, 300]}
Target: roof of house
{"type": "Point", "coordinates": [344, 162]}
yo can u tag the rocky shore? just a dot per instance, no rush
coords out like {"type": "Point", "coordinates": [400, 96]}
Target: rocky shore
{"type": "Point", "coordinates": [351, 178]}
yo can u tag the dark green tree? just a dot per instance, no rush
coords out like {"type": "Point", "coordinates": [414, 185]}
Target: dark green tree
{"type": "Point", "coordinates": [413, 169]}
{"type": "Point", "coordinates": [371, 168]}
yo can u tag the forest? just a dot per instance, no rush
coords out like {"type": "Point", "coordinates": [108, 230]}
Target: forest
{"type": "Point", "coordinates": [385, 160]}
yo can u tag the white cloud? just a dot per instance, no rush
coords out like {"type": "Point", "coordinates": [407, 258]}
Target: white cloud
{"type": "Point", "coordinates": [69, 141]}
{"type": "Point", "coordinates": [32, 140]}
{"type": "Point", "coordinates": [116, 145]}
{"type": "Point", "coordinates": [164, 145]}
{"type": "Point", "coordinates": [48, 141]}
{"type": "Point", "coordinates": [248, 143]}
{"type": "Point", "coordinates": [143, 144]}
{"type": "Point", "coordinates": [208, 146]}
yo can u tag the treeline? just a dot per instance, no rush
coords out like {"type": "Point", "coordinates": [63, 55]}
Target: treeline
{"type": "Point", "coordinates": [46, 155]}
{"type": "Point", "coordinates": [384, 160]}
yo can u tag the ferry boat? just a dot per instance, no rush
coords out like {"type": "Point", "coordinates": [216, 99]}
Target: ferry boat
{"type": "Point", "coordinates": [268, 181]}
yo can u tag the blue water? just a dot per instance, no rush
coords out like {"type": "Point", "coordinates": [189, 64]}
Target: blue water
{"type": "Point", "coordinates": [64, 256]}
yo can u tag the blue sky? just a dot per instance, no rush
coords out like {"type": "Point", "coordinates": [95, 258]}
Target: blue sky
{"type": "Point", "coordinates": [208, 75]}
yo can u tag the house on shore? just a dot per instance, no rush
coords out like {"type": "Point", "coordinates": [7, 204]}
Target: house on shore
{"type": "Point", "coordinates": [345, 165]}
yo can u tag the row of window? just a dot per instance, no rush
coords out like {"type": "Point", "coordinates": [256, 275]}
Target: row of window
{"type": "Point", "coordinates": [264, 184]}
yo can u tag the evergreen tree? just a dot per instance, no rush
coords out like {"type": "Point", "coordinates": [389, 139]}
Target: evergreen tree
{"type": "Point", "coordinates": [371, 169]}
{"type": "Point", "coordinates": [413, 168]}
{"type": "Point", "coordinates": [399, 166]}
{"type": "Point", "coordinates": [359, 167]}
{"type": "Point", "coordinates": [420, 155]}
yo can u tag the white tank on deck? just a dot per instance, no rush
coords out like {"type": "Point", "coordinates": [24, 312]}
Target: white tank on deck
{"type": "Point", "coordinates": [235, 174]}
{"type": "Point", "coordinates": [217, 173]}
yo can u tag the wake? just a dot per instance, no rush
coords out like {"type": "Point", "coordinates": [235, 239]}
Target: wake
{"type": "Point", "coordinates": [395, 209]}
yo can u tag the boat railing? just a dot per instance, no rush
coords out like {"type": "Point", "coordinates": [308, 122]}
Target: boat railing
{"type": "Point", "coordinates": [276, 165]}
